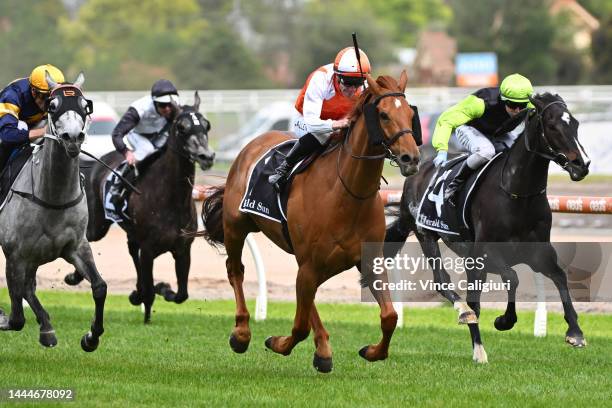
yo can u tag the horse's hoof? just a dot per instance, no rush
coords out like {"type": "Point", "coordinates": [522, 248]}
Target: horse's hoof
{"type": "Point", "coordinates": [468, 317]}
{"type": "Point", "coordinates": [48, 339]}
{"type": "Point", "coordinates": [323, 365]}
{"type": "Point", "coordinates": [502, 324]}
{"type": "Point", "coordinates": [135, 298]}
{"type": "Point", "coordinates": [4, 321]}
{"type": "Point", "coordinates": [576, 341]}
{"type": "Point", "coordinates": [480, 355]}
{"type": "Point", "coordinates": [237, 346]}
{"type": "Point", "coordinates": [89, 343]}
{"type": "Point", "coordinates": [363, 352]}
{"type": "Point", "coordinates": [268, 343]}
{"type": "Point", "coordinates": [73, 278]}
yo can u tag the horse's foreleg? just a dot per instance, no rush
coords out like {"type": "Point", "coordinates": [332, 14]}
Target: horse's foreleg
{"type": "Point", "coordinates": [508, 319]}
{"type": "Point", "coordinates": [546, 263]}
{"type": "Point", "coordinates": [306, 288]}
{"type": "Point", "coordinates": [388, 322]}
{"type": "Point", "coordinates": [15, 279]}
{"type": "Point", "coordinates": [134, 250]}
{"type": "Point", "coordinates": [322, 360]}
{"type": "Point", "coordinates": [83, 261]}
{"type": "Point", "coordinates": [47, 333]}
{"type": "Point", "coordinates": [145, 283]}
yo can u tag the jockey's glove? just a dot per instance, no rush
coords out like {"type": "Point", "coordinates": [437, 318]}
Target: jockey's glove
{"type": "Point", "coordinates": [440, 159]}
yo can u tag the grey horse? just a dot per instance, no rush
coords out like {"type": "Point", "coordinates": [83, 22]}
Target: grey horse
{"type": "Point", "coordinates": [45, 215]}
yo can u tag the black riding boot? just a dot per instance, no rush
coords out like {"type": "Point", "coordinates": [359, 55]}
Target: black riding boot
{"type": "Point", "coordinates": [457, 183]}
{"type": "Point", "coordinates": [118, 191]}
{"type": "Point", "coordinates": [303, 147]}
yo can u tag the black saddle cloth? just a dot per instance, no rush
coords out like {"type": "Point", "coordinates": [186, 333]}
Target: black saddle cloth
{"type": "Point", "coordinates": [438, 215]}
{"type": "Point", "coordinates": [260, 197]}
{"type": "Point", "coordinates": [15, 163]}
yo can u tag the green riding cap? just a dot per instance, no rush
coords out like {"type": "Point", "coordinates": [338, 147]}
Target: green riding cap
{"type": "Point", "coordinates": [516, 88]}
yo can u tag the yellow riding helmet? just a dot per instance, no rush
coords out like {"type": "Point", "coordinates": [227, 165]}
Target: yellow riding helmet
{"type": "Point", "coordinates": [516, 88]}
{"type": "Point", "coordinates": [38, 80]}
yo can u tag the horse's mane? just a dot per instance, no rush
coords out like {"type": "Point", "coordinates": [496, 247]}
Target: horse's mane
{"type": "Point", "coordinates": [384, 81]}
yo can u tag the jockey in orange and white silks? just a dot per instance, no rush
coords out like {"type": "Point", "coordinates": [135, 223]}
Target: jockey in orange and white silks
{"type": "Point", "coordinates": [327, 97]}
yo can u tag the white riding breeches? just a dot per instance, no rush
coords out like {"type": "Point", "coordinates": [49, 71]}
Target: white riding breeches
{"type": "Point", "coordinates": [300, 129]}
{"type": "Point", "coordinates": [481, 148]}
{"type": "Point", "coordinates": [144, 146]}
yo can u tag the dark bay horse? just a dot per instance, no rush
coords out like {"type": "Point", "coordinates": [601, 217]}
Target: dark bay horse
{"type": "Point", "coordinates": [45, 216]}
{"type": "Point", "coordinates": [163, 212]}
{"type": "Point", "coordinates": [333, 207]}
{"type": "Point", "coordinates": [510, 205]}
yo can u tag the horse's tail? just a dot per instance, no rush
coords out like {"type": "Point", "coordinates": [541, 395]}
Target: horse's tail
{"type": "Point", "coordinates": [212, 217]}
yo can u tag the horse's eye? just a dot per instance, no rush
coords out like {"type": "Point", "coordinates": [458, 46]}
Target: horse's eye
{"type": "Point", "coordinates": [384, 116]}
{"type": "Point", "coordinates": [53, 105]}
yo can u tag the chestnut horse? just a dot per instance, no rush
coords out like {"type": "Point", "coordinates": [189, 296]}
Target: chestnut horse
{"type": "Point", "coordinates": [333, 208]}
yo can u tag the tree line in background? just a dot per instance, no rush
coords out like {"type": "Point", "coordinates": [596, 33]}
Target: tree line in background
{"type": "Point", "coordinates": [216, 44]}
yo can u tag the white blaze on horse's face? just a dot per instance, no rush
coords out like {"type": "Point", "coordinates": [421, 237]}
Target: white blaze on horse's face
{"type": "Point", "coordinates": [566, 117]}
{"type": "Point", "coordinates": [398, 103]}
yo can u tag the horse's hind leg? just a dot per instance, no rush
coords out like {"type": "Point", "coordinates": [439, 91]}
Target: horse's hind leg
{"type": "Point", "coordinates": [306, 288]}
{"type": "Point", "coordinates": [182, 261]}
{"type": "Point", "coordinates": [322, 359]}
{"type": "Point", "coordinates": [83, 261]}
{"type": "Point", "coordinates": [145, 287]}
{"type": "Point", "coordinates": [546, 263]}
{"type": "Point", "coordinates": [15, 279]}
{"type": "Point", "coordinates": [473, 296]}
{"type": "Point", "coordinates": [431, 250]}
{"type": "Point", "coordinates": [47, 333]}
{"type": "Point", "coordinates": [241, 334]}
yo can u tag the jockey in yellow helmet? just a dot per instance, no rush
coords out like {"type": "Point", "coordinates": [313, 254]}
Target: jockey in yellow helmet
{"type": "Point", "coordinates": [22, 107]}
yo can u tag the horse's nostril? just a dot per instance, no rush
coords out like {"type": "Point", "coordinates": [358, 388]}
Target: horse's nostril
{"type": "Point", "coordinates": [408, 159]}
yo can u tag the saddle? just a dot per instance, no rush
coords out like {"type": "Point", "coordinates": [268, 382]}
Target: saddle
{"type": "Point", "coordinates": [436, 214]}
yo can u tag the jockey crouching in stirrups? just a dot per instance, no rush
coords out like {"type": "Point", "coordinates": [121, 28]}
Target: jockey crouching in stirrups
{"type": "Point", "coordinates": [146, 124]}
{"type": "Point", "coordinates": [475, 121]}
{"type": "Point", "coordinates": [329, 95]}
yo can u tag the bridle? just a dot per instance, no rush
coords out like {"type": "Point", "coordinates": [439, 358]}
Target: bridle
{"type": "Point", "coordinates": [375, 133]}
{"type": "Point", "coordinates": [196, 127]}
{"type": "Point", "coordinates": [550, 153]}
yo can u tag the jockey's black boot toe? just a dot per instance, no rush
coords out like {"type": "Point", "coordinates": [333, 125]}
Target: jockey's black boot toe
{"type": "Point", "coordinates": [279, 179]}
{"type": "Point", "coordinates": [450, 195]}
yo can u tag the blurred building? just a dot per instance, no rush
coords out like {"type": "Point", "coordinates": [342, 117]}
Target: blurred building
{"type": "Point", "coordinates": [434, 62]}
{"type": "Point", "coordinates": [581, 20]}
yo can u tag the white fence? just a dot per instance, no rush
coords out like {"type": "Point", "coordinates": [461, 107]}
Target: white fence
{"type": "Point", "coordinates": [580, 98]}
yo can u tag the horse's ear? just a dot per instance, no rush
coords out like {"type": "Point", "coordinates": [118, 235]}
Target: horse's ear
{"type": "Point", "coordinates": [373, 85]}
{"type": "Point", "coordinates": [534, 102]}
{"type": "Point", "coordinates": [80, 79]}
{"type": "Point", "coordinates": [52, 84]}
{"type": "Point", "coordinates": [196, 101]}
{"type": "Point", "coordinates": [403, 81]}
